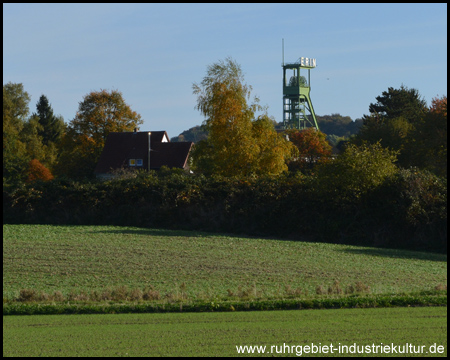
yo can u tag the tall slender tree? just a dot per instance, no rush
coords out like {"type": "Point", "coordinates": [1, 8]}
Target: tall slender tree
{"type": "Point", "coordinates": [52, 126]}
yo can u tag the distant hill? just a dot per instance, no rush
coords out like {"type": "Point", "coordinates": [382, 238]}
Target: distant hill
{"type": "Point", "coordinates": [334, 125]}
{"type": "Point", "coordinates": [194, 134]}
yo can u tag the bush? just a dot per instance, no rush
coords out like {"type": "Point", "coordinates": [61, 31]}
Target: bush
{"type": "Point", "coordinates": [357, 171]}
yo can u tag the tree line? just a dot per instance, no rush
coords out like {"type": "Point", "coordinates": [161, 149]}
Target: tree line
{"type": "Point", "coordinates": [239, 142]}
{"type": "Point", "coordinates": [42, 145]}
{"type": "Point", "coordinates": [388, 180]}
{"type": "Point", "coordinates": [237, 137]}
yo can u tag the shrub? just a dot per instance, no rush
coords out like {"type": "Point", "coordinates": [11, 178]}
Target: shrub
{"type": "Point", "coordinates": [412, 206]}
{"type": "Point", "coordinates": [357, 171]}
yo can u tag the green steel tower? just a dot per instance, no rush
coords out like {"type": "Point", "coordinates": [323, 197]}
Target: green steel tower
{"type": "Point", "coordinates": [298, 112]}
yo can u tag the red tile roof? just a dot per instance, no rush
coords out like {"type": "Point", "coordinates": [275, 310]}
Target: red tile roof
{"type": "Point", "coordinates": [120, 147]}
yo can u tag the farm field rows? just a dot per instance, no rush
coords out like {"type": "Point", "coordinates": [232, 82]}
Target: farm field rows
{"type": "Point", "coordinates": [202, 266]}
{"type": "Point", "coordinates": [218, 334]}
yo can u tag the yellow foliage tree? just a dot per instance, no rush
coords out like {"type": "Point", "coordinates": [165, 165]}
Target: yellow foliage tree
{"type": "Point", "coordinates": [273, 149]}
{"type": "Point", "coordinates": [237, 144]}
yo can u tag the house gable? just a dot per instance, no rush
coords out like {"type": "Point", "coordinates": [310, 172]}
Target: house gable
{"type": "Point", "coordinates": [131, 149]}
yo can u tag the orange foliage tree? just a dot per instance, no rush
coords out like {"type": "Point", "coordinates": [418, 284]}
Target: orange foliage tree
{"type": "Point", "coordinates": [439, 106]}
{"type": "Point", "coordinates": [37, 171]}
{"type": "Point", "coordinates": [312, 146]}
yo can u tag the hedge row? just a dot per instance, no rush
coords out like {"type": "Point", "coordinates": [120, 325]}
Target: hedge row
{"type": "Point", "coordinates": [291, 304]}
{"type": "Point", "coordinates": [408, 210]}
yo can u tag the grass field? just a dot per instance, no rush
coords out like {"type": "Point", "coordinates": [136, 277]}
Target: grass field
{"type": "Point", "coordinates": [218, 334]}
{"type": "Point", "coordinates": [202, 266]}
{"type": "Point", "coordinates": [83, 263]}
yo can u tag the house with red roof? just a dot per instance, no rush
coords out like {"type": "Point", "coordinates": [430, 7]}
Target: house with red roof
{"type": "Point", "coordinates": [148, 150]}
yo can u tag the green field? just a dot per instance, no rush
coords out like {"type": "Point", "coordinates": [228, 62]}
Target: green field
{"type": "Point", "coordinates": [218, 334]}
{"type": "Point", "coordinates": [198, 266]}
{"type": "Point", "coordinates": [83, 264]}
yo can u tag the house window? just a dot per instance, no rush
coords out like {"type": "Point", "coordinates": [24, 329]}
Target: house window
{"type": "Point", "coordinates": [135, 162]}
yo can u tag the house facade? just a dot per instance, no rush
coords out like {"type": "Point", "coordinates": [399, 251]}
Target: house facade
{"type": "Point", "coordinates": [148, 150]}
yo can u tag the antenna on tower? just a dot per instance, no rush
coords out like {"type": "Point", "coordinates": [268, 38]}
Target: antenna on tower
{"type": "Point", "coordinates": [282, 47]}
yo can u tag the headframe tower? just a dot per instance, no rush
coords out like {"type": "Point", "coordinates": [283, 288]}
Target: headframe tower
{"type": "Point", "coordinates": [298, 111]}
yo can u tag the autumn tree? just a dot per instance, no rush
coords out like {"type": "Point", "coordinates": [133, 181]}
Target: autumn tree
{"type": "Point", "coordinates": [237, 143]}
{"type": "Point", "coordinates": [312, 146]}
{"type": "Point", "coordinates": [439, 106]}
{"type": "Point", "coordinates": [98, 114]}
{"type": "Point", "coordinates": [23, 135]}
{"type": "Point", "coordinates": [273, 150]}
{"type": "Point", "coordinates": [37, 171]}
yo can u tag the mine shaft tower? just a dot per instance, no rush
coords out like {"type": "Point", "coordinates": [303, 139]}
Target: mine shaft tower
{"type": "Point", "coordinates": [298, 111]}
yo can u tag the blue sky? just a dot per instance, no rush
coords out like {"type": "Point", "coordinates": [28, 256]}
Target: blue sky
{"type": "Point", "coordinates": [153, 53]}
